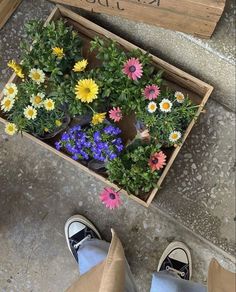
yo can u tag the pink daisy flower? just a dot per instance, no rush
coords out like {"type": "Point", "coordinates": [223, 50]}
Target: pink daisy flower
{"type": "Point", "coordinates": [133, 69]}
{"type": "Point", "coordinates": [115, 114]}
{"type": "Point", "coordinates": [157, 161]}
{"type": "Point", "coordinates": [110, 198]}
{"type": "Point", "coordinates": [152, 92]}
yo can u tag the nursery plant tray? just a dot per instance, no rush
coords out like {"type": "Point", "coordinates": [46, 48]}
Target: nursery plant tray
{"type": "Point", "coordinates": [176, 79]}
{"type": "Point", "coordinates": [197, 17]}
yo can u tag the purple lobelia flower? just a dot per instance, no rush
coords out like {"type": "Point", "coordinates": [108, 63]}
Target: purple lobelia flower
{"type": "Point", "coordinates": [100, 143]}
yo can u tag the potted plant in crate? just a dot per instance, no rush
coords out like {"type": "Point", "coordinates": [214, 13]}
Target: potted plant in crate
{"type": "Point", "coordinates": [127, 85]}
{"type": "Point", "coordinates": [38, 103]}
{"type": "Point", "coordinates": [121, 85]}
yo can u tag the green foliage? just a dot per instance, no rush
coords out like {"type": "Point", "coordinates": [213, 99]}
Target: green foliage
{"type": "Point", "coordinates": [45, 121]}
{"type": "Point", "coordinates": [59, 82]}
{"type": "Point", "coordinates": [127, 94]}
{"type": "Point", "coordinates": [114, 84]}
{"type": "Point", "coordinates": [132, 171]}
{"type": "Point", "coordinates": [161, 124]}
{"type": "Point", "coordinates": [37, 53]}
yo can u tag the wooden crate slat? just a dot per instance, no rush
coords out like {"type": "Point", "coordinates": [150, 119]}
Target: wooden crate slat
{"type": "Point", "coordinates": [195, 9]}
{"type": "Point", "coordinates": [6, 9]}
{"type": "Point", "coordinates": [190, 16]}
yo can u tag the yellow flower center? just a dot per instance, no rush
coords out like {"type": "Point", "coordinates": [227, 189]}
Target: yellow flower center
{"type": "Point", "coordinates": [180, 97]}
{"type": "Point", "coordinates": [30, 112]}
{"type": "Point", "coordinates": [10, 128]}
{"type": "Point", "coordinates": [87, 90]}
{"type": "Point", "coordinates": [7, 103]}
{"type": "Point", "coordinates": [10, 90]}
{"type": "Point", "coordinates": [166, 105]}
{"type": "Point", "coordinates": [49, 104]}
{"type": "Point", "coordinates": [152, 107]}
{"type": "Point", "coordinates": [36, 75]}
{"type": "Point", "coordinates": [37, 99]}
{"type": "Point", "coordinates": [174, 136]}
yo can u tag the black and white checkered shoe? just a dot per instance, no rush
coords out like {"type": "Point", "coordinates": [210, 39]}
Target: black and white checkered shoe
{"type": "Point", "coordinates": [77, 230]}
{"type": "Point", "coordinates": [177, 259]}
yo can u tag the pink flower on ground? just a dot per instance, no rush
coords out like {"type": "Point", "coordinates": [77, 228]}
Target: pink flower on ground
{"type": "Point", "coordinates": [110, 198]}
{"type": "Point", "coordinates": [133, 69]}
{"type": "Point", "coordinates": [115, 114]}
{"type": "Point", "coordinates": [152, 92]}
{"type": "Point", "coordinates": [157, 161]}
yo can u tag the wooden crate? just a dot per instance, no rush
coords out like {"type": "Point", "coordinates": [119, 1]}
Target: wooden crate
{"type": "Point", "coordinates": [7, 7]}
{"type": "Point", "coordinates": [177, 79]}
{"type": "Point", "coordinates": [197, 17]}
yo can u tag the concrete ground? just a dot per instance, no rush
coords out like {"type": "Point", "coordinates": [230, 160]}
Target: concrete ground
{"type": "Point", "coordinates": [39, 190]}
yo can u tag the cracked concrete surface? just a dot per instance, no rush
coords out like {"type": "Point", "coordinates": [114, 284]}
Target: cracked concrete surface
{"type": "Point", "coordinates": [39, 190]}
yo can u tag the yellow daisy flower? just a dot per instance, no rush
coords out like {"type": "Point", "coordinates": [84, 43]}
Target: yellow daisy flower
{"type": "Point", "coordinates": [58, 52]}
{"type": "Point", "coordinates": [179, 97]}
{"type": "Point", "coordinates": [30, 113]}
{"type": "Point", "coordinates": [10, 129]}
{"type": "Point", "coordinates": [58, 123]}
{"type": "Point", "coordinates": [20, 74]}
{"type": "Point", "coordinates": [46, 130]}
{"type": "Point", "coordinates": [17, 68]}
{"type": "Point", "coordinates": [49, 104]}
{"type": "Point", "coordinates": [7, 103]}
{"type": "Point", "coordinates": [37, 100]}
{"type": "Point", "coordinates": [10, 90]}
{"type": "Point", "coordinates": [86, 90]}
{"type": "Point", "coordinates": [165, 105]}
{"type": "Point", "coordinates": [98, 118]}
{"type": "Point", "coordinates": [80, 66]}
{"type": "Point", "coordinates": [37, 75]}
{"type": "Point", "coordinates": [152, 107]}
{"type": "Point", "coordinates": [175, 136]}
{"type": "Point", "coordinates": [12, 64]}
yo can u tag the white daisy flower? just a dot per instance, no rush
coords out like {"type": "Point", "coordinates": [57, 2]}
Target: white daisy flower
{"type": "Point", "coordinates": [37, 75]}
{"type": "Point", "coordinates": [7, 103]}
{"type": "Point", "coordinates": [175, 136]}
{"type": "Point", "coordinates": [30, 113]}
{"type": "Point", "coordinates": [37, 100]}
{"type": "Point", "coordinates": [179, 97]}
{"type": "Point", "coordinates": [10, 90]}
{"type": "Point", "coordinates": [165, 105]}
{"type": "Point", "coordinates": [10, 129]}
{"type": "Point", "coordinates": [152, 107]}
{"type": "Point", "coordinates": [49, 104]}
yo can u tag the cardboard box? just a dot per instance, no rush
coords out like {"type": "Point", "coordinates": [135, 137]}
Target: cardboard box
{"type": "Point", "coordinates": [176, 79]}
{"type": "Point", "coordinates": [197, 17]}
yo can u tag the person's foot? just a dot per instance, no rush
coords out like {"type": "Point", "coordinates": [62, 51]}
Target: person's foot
{"type": "Point", "coordinates": [177, 258]}
{"type": "Point", "coordinates": [77, 230]}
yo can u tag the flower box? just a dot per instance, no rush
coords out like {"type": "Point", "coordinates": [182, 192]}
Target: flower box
{"type": "Point", "coordinates": [197, 17]}
{"type": "Point", "coordinates": [176, 79]}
